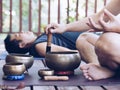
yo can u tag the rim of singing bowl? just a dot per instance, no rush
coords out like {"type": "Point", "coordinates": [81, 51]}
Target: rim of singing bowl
{"type": "Point", "coordinates": [25, 56]}
{"type": "Point", "coordinates": [63, 52]}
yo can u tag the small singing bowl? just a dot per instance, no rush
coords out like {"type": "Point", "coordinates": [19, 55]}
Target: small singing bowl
{"type": "Point", "coordinates": [45, 72]}
{"type": "Point", "coordinates": [20, 58]}
{"type": "Point", "coordinates": [63, 61]}
{"type": "Point", "coordinates": [14, 68]}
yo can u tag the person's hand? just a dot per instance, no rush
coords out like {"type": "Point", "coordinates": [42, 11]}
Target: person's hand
{"type": "Point", "coordinates": [95, 27]}
{"type": "Point", "coordinates": [113, 25]}
{"type": "Point", "coordinates": [55, 28]}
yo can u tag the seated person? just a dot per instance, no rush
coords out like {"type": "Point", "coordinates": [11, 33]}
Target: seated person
{"type": "Point", "coordinates": [102, 54]}
{"type": "Point", "coordinates": [28, 42]}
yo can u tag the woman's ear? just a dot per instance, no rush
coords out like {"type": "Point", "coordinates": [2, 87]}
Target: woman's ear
{"type": "Point", "coordinates": [22, 44]}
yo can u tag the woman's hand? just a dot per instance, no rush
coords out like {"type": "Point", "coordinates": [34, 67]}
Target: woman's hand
{"type": "Point", "coordinates": [113, 24]}
{"type": "Point", "coordinates": [55, 28]}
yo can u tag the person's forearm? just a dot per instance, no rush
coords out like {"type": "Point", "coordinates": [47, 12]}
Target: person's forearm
{"type": "Point", "coordinates": [81, 25]}
{"type": "Point", "coordinates": [78, 25]}
{"type": "Point", "coordinates": [112, 6]}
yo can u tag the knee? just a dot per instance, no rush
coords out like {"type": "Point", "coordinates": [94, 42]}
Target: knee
{"type": "Point", "coordinates": [81, 39]}
{"type": "Point", "coordinates": [108, 43]}
{"type": "Point", "coordinates": [107, 47]}
{"type": "Point", "coordinates": [102, 43]}
{"type": "Point", "coordinates": [86, 38]}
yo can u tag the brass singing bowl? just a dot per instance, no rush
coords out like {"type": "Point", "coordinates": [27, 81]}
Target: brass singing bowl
{"type": "Point", "coordinates": [20, 58]}
{"type": "Point", "coordinates": [14, 68]}
{"type": "Point", "coordinates": [63, 61]}
{"type": "Point", "coordinates": [45, 72]}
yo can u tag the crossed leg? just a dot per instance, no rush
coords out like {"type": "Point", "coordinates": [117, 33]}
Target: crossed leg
{"type": "Point", "coordinates": [107, 50]}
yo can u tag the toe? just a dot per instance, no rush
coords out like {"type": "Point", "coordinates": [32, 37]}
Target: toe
{"type": "Point", "coordinates": [83, 67]}
{"type": "Point", "coordinates": [86, 75]}
{"type": "Point", "coordinates": [85, 71]}
{"type": "Point", "coordinates": [89, 78]}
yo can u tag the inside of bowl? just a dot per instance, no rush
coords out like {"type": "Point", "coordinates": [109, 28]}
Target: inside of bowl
{"type": "Point", "coordinates": [14, 64]}
{"type": "Point", "coordinates": [63, 52]}
{"type": "Point", "coordinates": [20, 55]}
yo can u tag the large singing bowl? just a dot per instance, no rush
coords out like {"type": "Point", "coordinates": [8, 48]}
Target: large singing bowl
{"type": "Point", "coordinates": [20, 58]}
{"type": "Point", "coordinates": [62, 61]}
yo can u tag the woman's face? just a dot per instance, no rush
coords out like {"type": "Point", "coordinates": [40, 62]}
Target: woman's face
{"type": "Point", "coordinates": [23, 37]}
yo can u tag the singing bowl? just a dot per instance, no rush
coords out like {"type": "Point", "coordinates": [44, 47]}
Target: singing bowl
{"type": "Point", "coordinates": [63, 61]}
{"type": "Point", "coordinates": [45, 72]}
{"type": "Point", "coordinates": [14, 68]}
{"type": "Point", "coordinates": [20, 58]}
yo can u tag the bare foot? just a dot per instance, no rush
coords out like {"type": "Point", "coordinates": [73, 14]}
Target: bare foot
{"type": "Point", "coordinates": [95, 72]}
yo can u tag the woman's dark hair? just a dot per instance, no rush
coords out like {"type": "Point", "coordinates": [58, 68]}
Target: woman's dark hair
{"type": "Point", "coordinates": [13, 46]}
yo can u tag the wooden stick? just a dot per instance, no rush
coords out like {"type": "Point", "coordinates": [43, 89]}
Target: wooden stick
{"type": "Point", "coordinates": [54, 78]}
{"type": "Point", "coordinates": [49, 39]}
